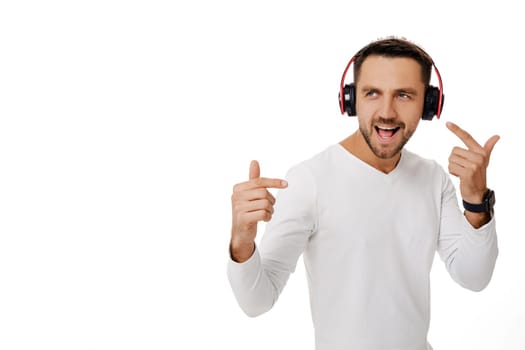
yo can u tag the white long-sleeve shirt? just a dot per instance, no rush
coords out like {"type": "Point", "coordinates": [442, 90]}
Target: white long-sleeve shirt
{"type": "Point", "coordinates": [368, 241]}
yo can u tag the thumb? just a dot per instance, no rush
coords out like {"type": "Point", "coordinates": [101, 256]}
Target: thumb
{"type": "Point", "coordinates": [255, 170]}
{"type": "Point", "coordinates": [489, 145]}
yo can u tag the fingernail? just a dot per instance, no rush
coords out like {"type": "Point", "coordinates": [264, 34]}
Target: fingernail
{"type": "Point", "coordinates": [284, 183]}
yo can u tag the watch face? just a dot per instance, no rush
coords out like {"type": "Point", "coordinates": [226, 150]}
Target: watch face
{"type": "Point", "coordinates": [491, 199]}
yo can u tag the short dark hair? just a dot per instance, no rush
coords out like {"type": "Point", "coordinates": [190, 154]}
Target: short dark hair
{"type": "Point", "coordinates": [395, 47]}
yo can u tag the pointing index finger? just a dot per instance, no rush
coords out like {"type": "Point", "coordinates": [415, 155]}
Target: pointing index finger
{"type": "Point", "coordinates": [261, 182]}
{"type": "Point", "coordinates": [269, 183]}
{"type": "Point", "coordinates": [464, 136]}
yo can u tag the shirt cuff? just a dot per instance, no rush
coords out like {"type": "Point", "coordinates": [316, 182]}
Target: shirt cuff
{"type": "Point", "coordinates": [483, 233]}
{"type": "Point", "coordinates": [252, 260]}
{"type": "Point", "coordinates": [244, 275]}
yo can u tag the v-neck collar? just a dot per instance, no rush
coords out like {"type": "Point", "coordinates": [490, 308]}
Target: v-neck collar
{"type": "Point", "coordinates": [370, 169]}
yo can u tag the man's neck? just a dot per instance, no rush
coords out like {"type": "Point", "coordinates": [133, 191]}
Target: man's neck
{"type": "Point", "coordinates": [357, 145]}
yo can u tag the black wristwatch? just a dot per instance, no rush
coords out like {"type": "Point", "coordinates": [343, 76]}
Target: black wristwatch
{"type": "Point", "coordinates": [487, 206]}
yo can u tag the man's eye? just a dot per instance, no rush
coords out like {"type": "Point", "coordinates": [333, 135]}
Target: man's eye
{"type": "Point", "coordinates": [404, 95]}
{"type": "Point", "coordinates": [371, 93]}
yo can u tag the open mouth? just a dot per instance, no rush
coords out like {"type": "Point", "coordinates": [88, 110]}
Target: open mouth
{"type": "Point", "coordinates": [385, 133]}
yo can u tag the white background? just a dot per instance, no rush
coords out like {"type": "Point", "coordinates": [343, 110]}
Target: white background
{"type": "Point", "coordinates": [125, 124]}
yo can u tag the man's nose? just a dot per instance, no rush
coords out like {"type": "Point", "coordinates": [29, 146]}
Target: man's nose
{"type": "Point", "coordinates": [387, 109]}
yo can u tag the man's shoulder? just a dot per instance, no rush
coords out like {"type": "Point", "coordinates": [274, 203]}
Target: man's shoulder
{"type": "Point", "coordinates": [421, 164]}
{"type": "Point", "coordinates": [414, 157]}
{"type": "Point", "coordinates": [320, 160]}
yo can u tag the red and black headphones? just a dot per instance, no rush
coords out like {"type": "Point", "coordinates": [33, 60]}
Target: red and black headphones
{"type": "Point", "coordinates": [434, 97]}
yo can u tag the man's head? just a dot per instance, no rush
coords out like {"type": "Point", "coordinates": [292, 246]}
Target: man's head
{"type": "Point", "coordinates": [391, 77]}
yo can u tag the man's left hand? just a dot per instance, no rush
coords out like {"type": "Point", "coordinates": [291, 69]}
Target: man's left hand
{"type": "Point", "coordinates": [470, 164]}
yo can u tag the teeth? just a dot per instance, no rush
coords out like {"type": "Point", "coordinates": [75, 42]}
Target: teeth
{"type": "Point", "coordinates": [382, 128]}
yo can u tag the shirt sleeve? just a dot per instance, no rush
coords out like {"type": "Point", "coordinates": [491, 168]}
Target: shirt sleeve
{"type": "Point", "coordinates": [258, 282]}
{"type": "Point", "coordinates": [469, 254]}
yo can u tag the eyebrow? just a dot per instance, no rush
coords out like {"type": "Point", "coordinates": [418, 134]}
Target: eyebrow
{"type": "Point", "coordinates": [407, 90]}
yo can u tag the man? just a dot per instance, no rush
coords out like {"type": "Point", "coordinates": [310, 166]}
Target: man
{"type": "Point", "coordinates": [369, 216]}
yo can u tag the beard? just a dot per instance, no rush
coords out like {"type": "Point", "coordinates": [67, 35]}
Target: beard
{"type": "Point", "coordinates": [385, 151]}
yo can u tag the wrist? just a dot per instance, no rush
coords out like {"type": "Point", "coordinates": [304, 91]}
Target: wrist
{"type": "Point", "coordinates": [477, 220]}
{"type": "Point", "coordinates": [480, 212]}
{"type": "Point", "coordinates": [241, 250]}
{"type": "Point", "coordinates": [476, 198]}
{"type": "Point", "coordinates": [485, 205]}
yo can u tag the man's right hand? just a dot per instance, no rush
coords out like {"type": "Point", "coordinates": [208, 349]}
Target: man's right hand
{"type": "Point", "coordinates": [251, 203]}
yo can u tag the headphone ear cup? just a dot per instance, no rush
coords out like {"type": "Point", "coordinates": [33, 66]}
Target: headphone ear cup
{"type": "Point", "coordinates": [430, 109]}
{"type": "Point", "coordinates": [349, 100]}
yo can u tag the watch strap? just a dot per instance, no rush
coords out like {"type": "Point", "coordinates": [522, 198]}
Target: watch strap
{"type": "Point", "coordinates": [486, 206]}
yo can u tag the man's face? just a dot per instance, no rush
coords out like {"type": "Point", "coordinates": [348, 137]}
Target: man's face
{"type": "Point", "coordinates": [389, 102]}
